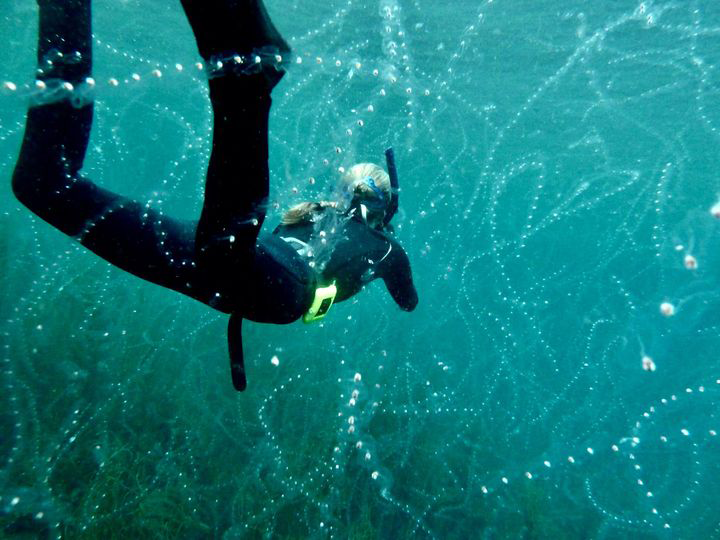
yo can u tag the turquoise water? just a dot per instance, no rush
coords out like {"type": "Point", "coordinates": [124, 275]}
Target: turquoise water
{"type": "Point", "coordinates": [558, 162]}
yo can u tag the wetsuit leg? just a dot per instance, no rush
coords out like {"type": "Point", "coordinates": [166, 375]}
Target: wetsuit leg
{"type": "Point", "coordinates": [228, 27]}
{"type": "Point", "coordinates": [47, 178]}
{"type": "Point", "coordinates": [237, 182]}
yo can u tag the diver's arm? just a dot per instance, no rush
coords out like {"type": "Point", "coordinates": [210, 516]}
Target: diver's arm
{"type": "Point", "coordinates": [398, 279]}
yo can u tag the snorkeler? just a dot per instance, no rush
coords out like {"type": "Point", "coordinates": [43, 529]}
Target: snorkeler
{"type": "Point", "coordinates": [322, 252]}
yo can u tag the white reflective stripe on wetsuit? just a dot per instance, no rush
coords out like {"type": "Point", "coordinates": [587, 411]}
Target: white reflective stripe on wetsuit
{"type": "Point", "coordinates": [383, 257]}
{"type": "Point", "coordinates": [302, 248]}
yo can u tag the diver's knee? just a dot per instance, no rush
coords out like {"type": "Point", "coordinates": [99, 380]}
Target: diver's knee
{"type": "Point", "coordinates": [22, 181]}
{"type": "Point", "coordinates": [32, 187]}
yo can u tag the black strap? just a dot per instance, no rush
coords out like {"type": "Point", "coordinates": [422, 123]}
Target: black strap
{"type": "Point", "coordinates": [237, 361]}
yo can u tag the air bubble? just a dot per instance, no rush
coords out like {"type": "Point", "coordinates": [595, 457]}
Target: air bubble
{"type": "Point", "coordinates": [648, 364]}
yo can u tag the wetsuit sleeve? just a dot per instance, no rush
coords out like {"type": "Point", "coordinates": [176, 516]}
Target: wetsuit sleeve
{"type": "Point", "coordinates": [398, 278]}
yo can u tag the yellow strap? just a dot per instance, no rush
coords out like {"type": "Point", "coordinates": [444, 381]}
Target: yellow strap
{"type": "Point", "coordinates": [324, 298]}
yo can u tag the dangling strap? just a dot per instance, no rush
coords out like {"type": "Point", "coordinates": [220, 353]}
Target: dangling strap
{"type": "Point", "coordinates": [237, 362]}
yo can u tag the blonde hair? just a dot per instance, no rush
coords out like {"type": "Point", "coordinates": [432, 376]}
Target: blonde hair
{"type": "Point", "coordinates": [304, 211]}
{"type": "Point", "coordinates": [352, 186]}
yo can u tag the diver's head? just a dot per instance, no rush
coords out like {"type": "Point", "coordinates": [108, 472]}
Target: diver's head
{"type": "Point", "coordinates": [366, 188]}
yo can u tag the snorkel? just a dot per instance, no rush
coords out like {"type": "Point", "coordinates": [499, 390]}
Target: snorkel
{"type": "Point", "coordinates": [394, 187]}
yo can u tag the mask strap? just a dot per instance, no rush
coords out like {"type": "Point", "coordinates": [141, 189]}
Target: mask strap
{"type": "Point", "coordinates": [371, 184]}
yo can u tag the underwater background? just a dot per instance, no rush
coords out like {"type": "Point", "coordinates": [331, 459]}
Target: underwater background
{"type": "Point", "coordinates": [560, 377]}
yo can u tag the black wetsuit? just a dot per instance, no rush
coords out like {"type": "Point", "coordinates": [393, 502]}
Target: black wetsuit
{"type": "Point", "coordinates": [358, 255]}
{"type": "Point", "coordinates": [220, 260]}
